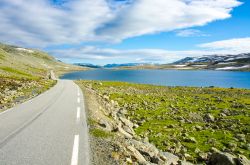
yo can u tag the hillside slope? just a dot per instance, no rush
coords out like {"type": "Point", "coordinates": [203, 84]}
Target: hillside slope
{"type": "Point", "coordinates": [25, 73]}
{"type": "Point", "coordinates": [21, 62]}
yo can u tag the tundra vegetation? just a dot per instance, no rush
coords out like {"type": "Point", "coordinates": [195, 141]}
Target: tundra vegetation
{"type": "Point", "coordinates": [25, 73]}
{"type": "Point", "coordinates": [189, 122]}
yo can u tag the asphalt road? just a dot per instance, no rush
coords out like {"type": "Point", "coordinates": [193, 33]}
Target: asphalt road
{"type": "Point", "coordinates": [50, 129]}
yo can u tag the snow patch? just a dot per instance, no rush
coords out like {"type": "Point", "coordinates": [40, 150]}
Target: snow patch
{"type": "Point", "coordinates": [25, 50]}
{"type": "Point", "coordinates": [233, 67]}
{"type": "Point", "coordinates": [226, 63]}
{"type": "Point", "coordinates": [180, 65]}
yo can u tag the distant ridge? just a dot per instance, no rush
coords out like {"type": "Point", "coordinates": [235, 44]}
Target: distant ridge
{"type": "Point", "coordinates": [111, 65]}
{"type": "Point", "coordinates": [239, 62]}
{"type": "Point", "coordinates": [214, 59]}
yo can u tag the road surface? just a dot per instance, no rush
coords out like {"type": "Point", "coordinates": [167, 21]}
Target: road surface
{"type": "Point", "coordinates": [50, 129]}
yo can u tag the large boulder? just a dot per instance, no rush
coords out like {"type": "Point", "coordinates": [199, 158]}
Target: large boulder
{"type": "Point", "coordinates": [220, 158]}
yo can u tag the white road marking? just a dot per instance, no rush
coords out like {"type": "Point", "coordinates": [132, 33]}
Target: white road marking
{"type": "Point", "coordinates": [78, 113]}
{"type": "Point", "coordinates": [74, 159]}
{"type": "Point", "coordinates": [78, 91]}
{"type": "Point", "coordinates": [78, 100]}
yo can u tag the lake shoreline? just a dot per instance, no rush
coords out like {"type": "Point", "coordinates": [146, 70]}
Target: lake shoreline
{"type": "Point", "coordinates": [189, 78]}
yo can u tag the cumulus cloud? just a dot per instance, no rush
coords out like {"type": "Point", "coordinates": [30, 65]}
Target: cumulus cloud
{"type": "Point", "coordinates": [238, 45]}
{"type": "Point", "coordinates": [41, 23]}
{"type": "Point", "coordinates": [148, 17]}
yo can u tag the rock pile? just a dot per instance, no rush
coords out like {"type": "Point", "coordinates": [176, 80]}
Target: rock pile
{"type": "Point", "coordinates": [135, 149]}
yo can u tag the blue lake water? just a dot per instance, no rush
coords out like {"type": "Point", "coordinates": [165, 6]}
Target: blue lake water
{"type": "Point", "coordinates": [168, 77]}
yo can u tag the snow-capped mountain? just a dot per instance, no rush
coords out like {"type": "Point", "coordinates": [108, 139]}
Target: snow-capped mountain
{"type": "Point", "coordinates": [210, 59]}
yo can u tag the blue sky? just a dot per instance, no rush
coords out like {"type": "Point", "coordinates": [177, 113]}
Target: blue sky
{"type": "Point", "coordinates": [112, 31]}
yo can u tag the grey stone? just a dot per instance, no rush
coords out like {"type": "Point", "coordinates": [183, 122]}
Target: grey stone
{"type": "Point", "coordinates": [137, 154]}
{"type": "Point", "coordinates": [220, 158]}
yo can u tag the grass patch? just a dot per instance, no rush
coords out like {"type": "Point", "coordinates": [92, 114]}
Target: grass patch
{"type": "Point", "coordinates": [100, 133]}
{"type": "Point", "coordinates": [15, 71]}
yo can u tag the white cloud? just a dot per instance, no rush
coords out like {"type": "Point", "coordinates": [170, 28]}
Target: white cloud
{"type": "Point", "coordinates": [238, 45]}
{"type": "Point", "coordinates": [40, 23]}
{"type": "Point", "coordinates": [191, 33]}
{"type": "Point", "coordinates": [148, 17]}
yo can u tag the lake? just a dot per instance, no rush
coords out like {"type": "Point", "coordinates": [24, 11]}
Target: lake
{"type": "Point", "coordinates": [195, 78]}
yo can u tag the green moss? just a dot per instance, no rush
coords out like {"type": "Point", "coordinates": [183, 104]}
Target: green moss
{"type": "Point", "coordinates": [91, 122]}
{"type": "Point", "coordinates": [15, 71]}
{"type": "Point", "coordinates": [100, 133]}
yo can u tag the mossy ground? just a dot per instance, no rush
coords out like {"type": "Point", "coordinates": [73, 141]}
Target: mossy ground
{"type": "Point", "coordinates": [171, 116]}
{"type": "Point", "coordinates": [100, 133]}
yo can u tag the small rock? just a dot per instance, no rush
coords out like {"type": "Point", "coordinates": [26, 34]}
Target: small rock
{"type": "Point", "coordinates": [198, 128]}
{"type": "Point", "coordinates": [184, 163]}
{"type": "Point", "coordinates": [170, 158]}
{"type": "Point", "coordinates": [242, 160]}
{"type": "Point", "coordinates": [209, 118]}
{"type": "Point", "coordinates": [129, 160]}
{"type": "Point", "coordinates": [188, 157]}
{"type": "Point", "coordinates": [126, 134]}
{"type": "Point", "coordinates": [103, 123]}
{"type": "Point", "coordinates": [202, 156]}
{"type": "Point", "coordinates": [137, 154]}
{"type": "Point", "coordinates": [146, 140]}
{"type": "Point", "coordinates": [126, 122]}
{"type": "Point", "coordinates": [190, 139]}
{"type": "Point", "coordinates": [241, 137]}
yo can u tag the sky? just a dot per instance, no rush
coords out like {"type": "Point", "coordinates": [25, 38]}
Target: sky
{"type": "Point", "coordinates": [127, 31]}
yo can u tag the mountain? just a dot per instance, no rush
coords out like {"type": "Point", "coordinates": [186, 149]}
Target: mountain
{"type": "Point", "coordinates": [217, 62]}
{"type": "Point", "coordinates": [88, 65]}
{"type": "Point", "coordinates": [110, 65]}
{"type": "Point", "coordinates": [214, 59]}
{"type": "Point", "coordinates": [123, 65]}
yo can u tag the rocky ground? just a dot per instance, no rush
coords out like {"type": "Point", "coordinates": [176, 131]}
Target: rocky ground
{"type": "Point", "coordinates": [14, 91]}
{"type": "Point", "coordinates": [144, 124]}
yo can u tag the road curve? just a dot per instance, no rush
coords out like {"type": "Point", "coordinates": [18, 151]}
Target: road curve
{"type": "Point", "coordinates": [50, 129]}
